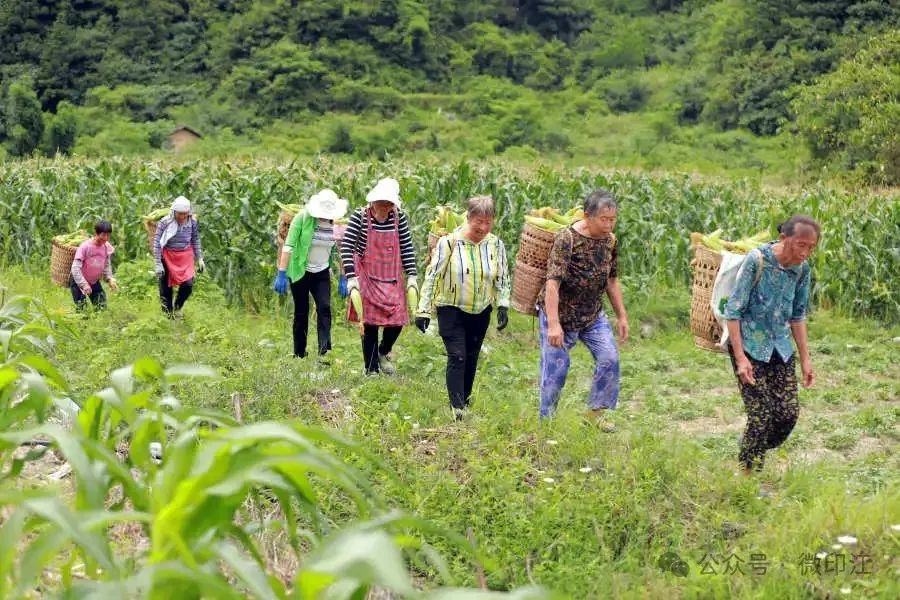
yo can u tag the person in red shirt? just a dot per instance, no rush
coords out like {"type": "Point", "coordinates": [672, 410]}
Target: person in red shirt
{"type": "Point", "coordinates": [91, 264]}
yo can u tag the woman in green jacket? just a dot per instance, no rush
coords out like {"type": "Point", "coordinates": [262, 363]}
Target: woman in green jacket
{"type": "Point", "coordinates": [304, 262]}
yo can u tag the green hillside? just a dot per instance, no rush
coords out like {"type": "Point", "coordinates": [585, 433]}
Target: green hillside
{"type": "Point", "coordinates": [790, 90]}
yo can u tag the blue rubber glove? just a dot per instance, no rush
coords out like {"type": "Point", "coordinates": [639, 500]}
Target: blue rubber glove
{"type": "Point", "coordinates": [281, 282]}
{"type": "Point", "coordinates": [343, 292]}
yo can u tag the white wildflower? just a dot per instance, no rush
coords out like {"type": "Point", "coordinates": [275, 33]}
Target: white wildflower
{"type": "Point", "coordinates": [549, 480]}
{"type": "Point", "coordinates": [585, 469]}
{"type": "Point", "coordinates": [848, 540]}
{"type": "Point", "coordinates": [552, 442]}
{"type": "Point", "coordinates": [821, 555]}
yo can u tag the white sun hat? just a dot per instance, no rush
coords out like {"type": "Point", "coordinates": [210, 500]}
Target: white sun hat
{"type": "Point", "coordinates": [326, 205]}
{"type": "Point", "coordinates": [386, 189]}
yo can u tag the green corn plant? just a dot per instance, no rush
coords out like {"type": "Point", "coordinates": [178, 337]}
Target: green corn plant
{"type": "Point", "coordinates": [196, 490]}
{"type": "Point", "coordinates": [858, 252]}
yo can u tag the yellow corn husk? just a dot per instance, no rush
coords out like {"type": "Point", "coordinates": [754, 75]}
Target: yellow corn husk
{"type": "Point", "coordinates": [561, 219]}
{"type": "Point", "coordinates": [743, 246]}
{"type": "Point", "coordinates": [761, 237]}
{"type": "Point", "coordinates": [292, 209]}
{"type": "Point", "coordinates": [545, 224]}
{"type": "Point", "coordinates": [412, 299]}
{"type": "Point", "coordinates": [713, 242]}
{"type": "Point", "coordinates": [576, 214]}
{"type": "Point", "coordinates": [156, 215]}
{"type": "Point", "coordinates": [71, 239]}
{"type": "Point", "coordinates": [356, 299]}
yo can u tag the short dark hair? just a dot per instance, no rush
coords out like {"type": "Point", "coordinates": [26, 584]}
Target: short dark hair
{"type": "Point", "coordinates": [102, 227]}
{"type": "Point", "coordinates": [789, 227]}
{"type": "Point", "coordinates": [598, 200]}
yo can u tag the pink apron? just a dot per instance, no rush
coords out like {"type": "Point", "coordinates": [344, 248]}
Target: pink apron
{"type": "Point", "coordinates": [380, 277]}
{"type": "Point", "coordinates": [179, 265]}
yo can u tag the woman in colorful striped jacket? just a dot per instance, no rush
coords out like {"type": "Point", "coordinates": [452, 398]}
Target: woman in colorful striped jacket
{"type": "Point", "coordinates": [468, 274]}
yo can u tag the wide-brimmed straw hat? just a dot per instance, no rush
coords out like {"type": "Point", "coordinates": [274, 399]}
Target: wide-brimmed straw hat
{"type": "Point", "coordinates": [326, 205]}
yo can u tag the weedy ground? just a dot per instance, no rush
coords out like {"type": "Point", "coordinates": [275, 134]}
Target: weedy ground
{"type": "Point", "coordinates": [653, 510]}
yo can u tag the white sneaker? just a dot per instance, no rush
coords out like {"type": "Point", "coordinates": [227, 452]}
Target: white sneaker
{"type": "Point", "coordinates": [385, 364]}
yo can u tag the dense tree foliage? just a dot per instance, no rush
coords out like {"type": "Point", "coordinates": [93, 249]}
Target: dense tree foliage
{"type": "Point", "coordinates": [236, 67]}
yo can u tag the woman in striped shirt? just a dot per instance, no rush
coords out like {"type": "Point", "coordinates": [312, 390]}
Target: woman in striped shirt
{"type": "Point", "coordinates": [176, 250]}
{"type": "Point", "coordinates": [375, 252]}
{"type": "Point", "coordinates": [467, 275]}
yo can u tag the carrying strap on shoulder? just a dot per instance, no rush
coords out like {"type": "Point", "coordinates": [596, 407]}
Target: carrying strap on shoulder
{"type": "Point", "coordinates": [759, 268]}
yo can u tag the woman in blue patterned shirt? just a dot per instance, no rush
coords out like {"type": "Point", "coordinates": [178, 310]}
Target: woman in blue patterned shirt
{"type": "Point", "coordinates": [762, 314]}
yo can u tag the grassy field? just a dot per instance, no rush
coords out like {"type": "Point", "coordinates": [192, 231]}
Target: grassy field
{"type": "Point", "coordinates": [654, 510]}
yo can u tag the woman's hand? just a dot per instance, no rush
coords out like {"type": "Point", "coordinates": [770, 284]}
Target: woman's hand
{"type": "Point", "coordinates": [745, 370]}
{"type": "Point", "coordinates": [809, 376]}
{"type": "Point", "coordinates": [555, 335]}
{"type": "Point", "coordinates": [281, 283]}
{"type": "Point", "coordinates": [622, 326]}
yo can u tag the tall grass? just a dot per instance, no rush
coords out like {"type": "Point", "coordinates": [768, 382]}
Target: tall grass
{"type": "Point", "coordinates": [856, 265]}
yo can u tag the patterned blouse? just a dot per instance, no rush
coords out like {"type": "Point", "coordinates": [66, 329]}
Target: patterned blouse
{"type": "Point", "coordinates": [767, 309]}
{"type": "Point", "coordinates": [468, 276]}
{"type": "Point", "coordinates": [583, 266]}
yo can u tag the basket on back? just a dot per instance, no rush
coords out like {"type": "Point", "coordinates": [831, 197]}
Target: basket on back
{"type": "Point", "coordinates": [150, 227]}
{"type": "Point", "coordinates": [61, 258]}
{"type": "Point", "coordinates": [284, 225]}
{"type": "Point", "coordinates": [530, 269]}
{"type": "Point", "coordinates": [704, 327]}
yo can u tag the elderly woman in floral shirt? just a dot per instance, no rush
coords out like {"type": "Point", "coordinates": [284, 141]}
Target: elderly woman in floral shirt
{"type": "Point", "coordinates": [762, 313]}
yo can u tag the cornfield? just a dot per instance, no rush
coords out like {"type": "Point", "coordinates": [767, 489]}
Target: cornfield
{"type": "Point", "coordinates": [856, 266]}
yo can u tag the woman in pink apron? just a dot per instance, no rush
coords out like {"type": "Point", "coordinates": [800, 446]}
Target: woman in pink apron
{"type": "Point", "coordinates": [376, 251]}
{"type": "Point", "coordinates": [176, 250]}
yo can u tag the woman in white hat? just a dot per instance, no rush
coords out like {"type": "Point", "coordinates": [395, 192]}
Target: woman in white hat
{"type": "Point", "coordinates": [304, 265]}
{"type": "Point", "coordinates": [376, 251]}
{"type": "Point", "coordinates": [176, 249]}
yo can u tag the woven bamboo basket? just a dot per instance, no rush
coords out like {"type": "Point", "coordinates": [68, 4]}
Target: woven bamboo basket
{"type": "Point", "coordinates": [284, 225]}
{"type": "Point", "coordinates": [150, 228]}
{"type": "Point", "coordinates": [527, 284]}
{"type": "Point", "coordinates": [534, 246]}
{"type": "Point", "coordinates": [432, 244]}
{"type": "Point", "coordinates": [61, 258]}
{"type": "Point", "coordinates": [704, 327]}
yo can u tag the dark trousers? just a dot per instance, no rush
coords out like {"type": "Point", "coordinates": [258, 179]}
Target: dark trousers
{"type": "Point", "coordinates": [317, 285]}
{"type": "Point", "coordinates": [463, 333]}
{"type": "Point", "coordinates": [165, 292]}
{"type": "Point", "coordinates": [97, 297]}
{"type": "Point", "coordinates": [772, 407]}
{"type": "Point", "coordinates": [371, 347]}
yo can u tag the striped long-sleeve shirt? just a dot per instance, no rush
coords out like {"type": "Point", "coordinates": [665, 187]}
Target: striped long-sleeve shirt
{"type": "Point", "coordinates": [355, 237]}
{"type": "Point", "coordinates": [187, 235]}
{"type": "Point", "coordinates": [468, 276]}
